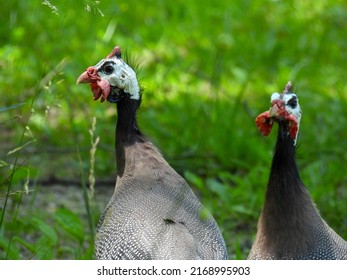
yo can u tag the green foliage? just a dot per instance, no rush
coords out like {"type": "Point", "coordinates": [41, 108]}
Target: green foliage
{"type": "Point", "coordinates": [71, 223]}
{"type": "Point", "coordinates": [207, 71]}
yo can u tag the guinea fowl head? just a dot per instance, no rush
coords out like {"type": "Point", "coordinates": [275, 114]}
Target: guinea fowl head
{"type": "Point", "coordinates": [284, 108]}
{"type": "Point", "coordinates": [111, 79]}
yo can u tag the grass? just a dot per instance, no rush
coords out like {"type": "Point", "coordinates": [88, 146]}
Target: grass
{"type": "Point", "coordinates": [208, 71]}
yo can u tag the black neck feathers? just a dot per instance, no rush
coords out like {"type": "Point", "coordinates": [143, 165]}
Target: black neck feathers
{"type": "Point", "coordinates": [287, 223]}
{"type": "Point", "coordinates": [286, 196]}
{"type": "Point", "coordinates": [284, 176]}
{"type": "Point", "coordinates": [127, 131]}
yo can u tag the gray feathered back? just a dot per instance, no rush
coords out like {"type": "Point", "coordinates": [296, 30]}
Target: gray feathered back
{"type": "Point", "coordinates": [153, 214]}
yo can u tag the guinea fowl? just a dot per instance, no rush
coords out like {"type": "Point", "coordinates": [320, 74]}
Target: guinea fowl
{"type": "Point", "coordinates": [290, 226]}
{"type": "Point", "coordinates": [153, 213]}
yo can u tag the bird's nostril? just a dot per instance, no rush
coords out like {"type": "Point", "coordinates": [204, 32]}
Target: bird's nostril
{"type": "Point", "coordinates": [279, 104]}
{"type": "Point", "coordinates": [91, 70]}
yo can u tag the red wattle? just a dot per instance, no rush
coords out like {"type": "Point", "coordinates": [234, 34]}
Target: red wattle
{"type": "Point", "coordinates": [264, 123]}
{"type": "Point", "coordinates": [293, 126]}
{"type": "Point", "coordinates": [105, 89]}
{"type": "Point", "coordinates": [101, 89]}
{"type": "Point", "coordinates": [96, 90]}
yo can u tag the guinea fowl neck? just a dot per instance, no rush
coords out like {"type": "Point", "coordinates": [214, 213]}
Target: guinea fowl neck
{"type": "Point", "coordinates": [127, 131]}
{"type": "Point", "coordinates": [289, 218]}
{"type": "Point", "coordinates": [287, 200]}
{"type": "Point", "coordinates": [284, 177]}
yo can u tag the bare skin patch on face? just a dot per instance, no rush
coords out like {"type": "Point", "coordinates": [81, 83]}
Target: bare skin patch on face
{"type": "Point", "coordinates": [284, 107]}
{"type": "Point", "coordinates": [110, 78]}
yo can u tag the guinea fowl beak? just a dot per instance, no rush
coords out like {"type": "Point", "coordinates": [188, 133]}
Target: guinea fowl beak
{"type": "Point", "coordinates": [277, 109]}
{"type": "Point", "coordinates": [88, 76]}
{"type": "Point", "coordinates": [83, 78]}
{"type": "Point", "coordinates": [100, 88]}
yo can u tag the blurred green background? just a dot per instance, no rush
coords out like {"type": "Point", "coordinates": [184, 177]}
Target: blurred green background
{"type": "Point", "coordinates": [208, 69]}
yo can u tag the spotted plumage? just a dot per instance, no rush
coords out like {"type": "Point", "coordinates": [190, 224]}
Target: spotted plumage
{"type": "Point", "coordinates": [153, 213]}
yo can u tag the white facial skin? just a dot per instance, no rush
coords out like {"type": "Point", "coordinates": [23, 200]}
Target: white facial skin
{"type": "Point", "coordinates": [120, 75]}
{"type": "Point", "coordinates": [292, 107]}
{"type": "Point", "coordinates": [291, 102]}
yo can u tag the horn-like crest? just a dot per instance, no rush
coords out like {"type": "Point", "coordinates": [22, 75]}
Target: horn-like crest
{"type": "Point", "coordinates": [115, 52]}
{"type": "Point", "coordinates": [288, 88]}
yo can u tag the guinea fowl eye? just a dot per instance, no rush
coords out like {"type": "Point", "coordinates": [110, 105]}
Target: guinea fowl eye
{"type": "Point", "coordinates": [108, 69]}
{"type": "Point", "coordinates": [292, 103]}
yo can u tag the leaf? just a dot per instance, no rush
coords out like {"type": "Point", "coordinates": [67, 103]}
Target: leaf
{"type": "Point", "coordinates": [194, 180]}
{"type": "Point", "coordinates": [23, 242]}
{"type": "Point", "coordinates": [43, 249]}
{"type": "Point", "coordinates": [3, 109]}
{"type": "Point", "coordinates": [242, 209]}
{"type": "Point", "coordinates": [13, 251]}
{"type": "Point", "coordinates": [221, 189]}
{"type": "Point", "coordinates": [20, 147]}
{"type": "Point", "coordinates": [70, 222]}
{"type": "Point", "coordinates": [46, 230]}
